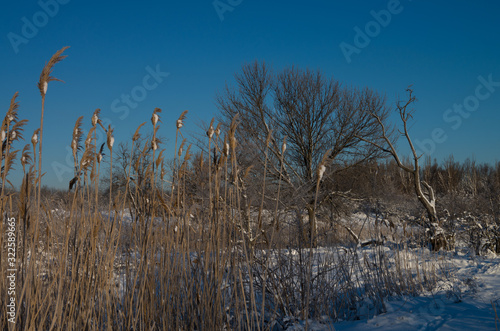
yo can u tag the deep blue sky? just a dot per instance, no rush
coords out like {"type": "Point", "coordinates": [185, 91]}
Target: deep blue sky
{"type": "Point", "coordinates": [441, 48]}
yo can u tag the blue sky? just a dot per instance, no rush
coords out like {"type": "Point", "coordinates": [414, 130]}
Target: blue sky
{"type": "Point", "coordinates": [447, 50]}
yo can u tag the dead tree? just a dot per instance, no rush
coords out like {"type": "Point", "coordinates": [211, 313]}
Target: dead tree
{"type": "Point", "coordinates": [427, 199]}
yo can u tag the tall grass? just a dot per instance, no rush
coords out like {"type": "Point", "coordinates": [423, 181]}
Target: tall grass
{"type": "Point", "coordinates": [155, 259]}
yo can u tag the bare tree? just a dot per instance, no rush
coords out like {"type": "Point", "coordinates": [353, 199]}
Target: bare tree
{"type": "Point", "coordinates": [132, 164]}
{"type": "Point", "coordinates": [427, 198]}
{"type": "Point", "coordinates": [315, 115]}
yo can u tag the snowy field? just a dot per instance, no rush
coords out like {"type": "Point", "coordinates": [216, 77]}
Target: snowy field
{"type": "Point", "coordinates": [471, 301]}
{"type": "Point", "coordinates": [464, 296]}
{"type": "Point", "coordinates": [467, 297]}
{"type": "Point", "coordinates": [468, 300]}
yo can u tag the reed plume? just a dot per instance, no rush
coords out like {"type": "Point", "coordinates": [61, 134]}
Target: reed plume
{"type": "Point", "coordinates": [8, 136]}
{"type": "Point", "coordinates": [34, 142]}
{"type": "Point", "coordinates": [25, 157]}
{"type": "Point", "coordinates": [76, 140]}
{"type": "Point", "coordinates": [180, 121]}
{"type": "Point", "coordinates": [43, 83]}
{"type": "Point", "coordinates": [110, 140]}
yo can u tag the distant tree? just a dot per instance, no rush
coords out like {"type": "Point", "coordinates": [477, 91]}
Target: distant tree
{"type": "Point", "coordinates": [132, 164]}
{"type": "Point", "coordinates": [319, 120]}
{"type": "Point", "coordinates": [428, 199]}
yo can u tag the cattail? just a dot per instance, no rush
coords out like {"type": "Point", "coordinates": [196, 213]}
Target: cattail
{"type": "Point", "coordinates": [88, 140]}
{"type": "Point", "coordinates": [74, 145]}
{"type": "Point", "coordinates": [95, 117]}
{"type": "Point", "coordinates": [180, 121]}
{"type": "Point", "coordinates": [187, 156]}
{"type": "Point", "coordinates": [181, 148]}
{"type": "Point", "coordinates": [137, 135]}
{"type": "Point", "coordinates": [111, 140]}
{"type": "Point", "coordinates": [99, 155]}
{"type": "Point", "coordinates": [210, 132]}
{"type": "Point", "coordinates": [159, 159]}
{"type": "Point", "coordinates": [87, 160]}
{"type": "Point", "coordinates": [232, 132]}
{"type": "Point", "coordinates": [322, 165]}
{"type": "Point", "coordinates": [154, 145]}
{"type": "Point", "coordinates": [226, 149]}
{"type": "Point", "coordinates": [233, 142]}
{"type": "Point", "coordinates": [11, 113]}
{"type": "Point", "coordinates": [13, 135]}
{"type": "Point", "coordinates": [77, 136]}
{"type": "Point", "coordinates": [321, 171]}
{"type": "Point", "coordinates": [283, 147]}
{"type": "Point", "coordinates": [26, 157]}
{"type": "Point", "coordinates": [45, 76]}
{"type": "Point", "coordinates": [18, 129]}
{"type": "Point", "coordinates": [217, 130]}
{"type": "Point", "coordinates": [2, 135]}
{"type": "Point", "coordinates": [34, 137]}
{"type": "Point", "coordinates": [155, 118]}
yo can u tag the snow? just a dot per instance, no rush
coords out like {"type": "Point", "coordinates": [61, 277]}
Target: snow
{"type": "Point", "coordinates": [466, 297]}
{"type": "Point", "coordinates": [466, 305]}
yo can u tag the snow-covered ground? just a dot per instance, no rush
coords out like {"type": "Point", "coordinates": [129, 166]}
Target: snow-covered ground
{"type": "Point", "coordinates": [470, 301]}
{"type": "Point", "coordinates": [466, 297]}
